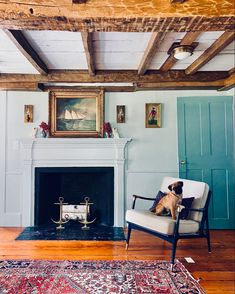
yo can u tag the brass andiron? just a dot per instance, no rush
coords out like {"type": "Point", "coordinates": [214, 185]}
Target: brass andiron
{"type": "Point", "coordinates": [85, 221]}
{"type": "Point", "coordinates": [60, 222]}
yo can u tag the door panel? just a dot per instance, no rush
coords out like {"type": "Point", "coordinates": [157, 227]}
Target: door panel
{"type": "Point", "coordinates": [205, 144]}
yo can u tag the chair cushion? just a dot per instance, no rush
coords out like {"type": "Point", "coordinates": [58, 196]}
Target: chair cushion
{"type": "Point", "coordinates": [198, 190]}
{"type": "Point", "coordinates": [161, 224]}
{"type": "Point", "coordinates": [186, 202]}
{"type": "Point", "coordinates": [159, 196]}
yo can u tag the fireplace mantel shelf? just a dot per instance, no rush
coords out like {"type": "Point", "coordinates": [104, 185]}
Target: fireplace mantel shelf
{"type": "Point", "coordinates": [75, 141]}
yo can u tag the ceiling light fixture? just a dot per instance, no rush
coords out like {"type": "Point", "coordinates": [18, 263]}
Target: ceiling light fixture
{"type": "Point", "coordinates": [182, 52]}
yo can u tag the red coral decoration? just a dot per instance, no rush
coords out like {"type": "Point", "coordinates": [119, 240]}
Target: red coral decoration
{"type": "Point", "coordinates": [44, 126]}
{"type": "Point", "coordinates": [108, 129]}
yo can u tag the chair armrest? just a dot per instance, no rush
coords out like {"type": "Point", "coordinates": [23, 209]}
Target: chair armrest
{"type": "Point", "coordinates": [139, 197]}
{"type": "Point", "coordinates": [179, 209]}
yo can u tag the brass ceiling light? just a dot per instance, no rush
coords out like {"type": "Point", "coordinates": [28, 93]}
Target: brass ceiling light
{"type": "Point", "coordinates": [181, 52]}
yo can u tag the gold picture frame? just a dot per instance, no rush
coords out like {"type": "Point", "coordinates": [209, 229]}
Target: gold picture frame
{"type": "Point", "coordinates": [153, 115]}
{"type": "Point", "coordinates": [28, 113]}
{"type": "Point", "coordinates": [76, 113]}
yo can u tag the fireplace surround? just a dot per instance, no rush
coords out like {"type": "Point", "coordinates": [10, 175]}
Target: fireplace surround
{"type": "Point", "coordinates": [71, 153]}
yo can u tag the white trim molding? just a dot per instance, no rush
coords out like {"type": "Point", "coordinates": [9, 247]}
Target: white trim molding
{"type": "Point", "coordinates": [79, 152]}
{"type": "Point", "coordinates": [3, 118]}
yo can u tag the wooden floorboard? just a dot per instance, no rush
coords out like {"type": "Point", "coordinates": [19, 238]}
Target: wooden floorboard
{"type": "Point", "coordinates": [215, 270]}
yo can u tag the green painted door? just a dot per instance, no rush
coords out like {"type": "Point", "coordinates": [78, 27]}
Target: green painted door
{"type": "Point", "coordinates": [205, 146]}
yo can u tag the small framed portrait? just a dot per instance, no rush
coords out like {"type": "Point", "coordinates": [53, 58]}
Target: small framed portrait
{"type": "Point", "coordinates": [28, 113]}
{"type": "Point", "coordinates": [76, 113]}
{"type": "Point", "coordinates": [153, 115]}
{"type": "Point", "coordinates": [121, 114]}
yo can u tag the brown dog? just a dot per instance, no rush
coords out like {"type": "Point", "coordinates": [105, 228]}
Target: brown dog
{"type": "Point", "coordinates": [171, 200]}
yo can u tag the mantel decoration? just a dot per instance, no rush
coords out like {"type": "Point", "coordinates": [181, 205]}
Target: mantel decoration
{"type": "Point", "coordinates": [153, 115]}
{"type": "Point", "coordinates": [44, 129]}
{"type": "Point", "coordinates": [76, 113]}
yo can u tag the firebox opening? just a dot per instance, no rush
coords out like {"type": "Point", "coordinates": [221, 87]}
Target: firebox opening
{"type": "Point", "coordinates": [73, 184]}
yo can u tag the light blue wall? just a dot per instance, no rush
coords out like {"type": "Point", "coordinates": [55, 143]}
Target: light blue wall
{"type": "Point", "coordinates": [152, 153]}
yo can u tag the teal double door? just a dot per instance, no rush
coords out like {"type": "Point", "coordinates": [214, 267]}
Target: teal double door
{"type": "Point", "coordinates": [205, 150]}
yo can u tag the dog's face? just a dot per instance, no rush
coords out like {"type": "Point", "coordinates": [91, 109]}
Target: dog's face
{"type": "Point", "coordinates": [176, 187]}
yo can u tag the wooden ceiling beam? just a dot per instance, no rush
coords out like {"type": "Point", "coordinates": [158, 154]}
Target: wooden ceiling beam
{"type": "Point", "coordinates": [121, 16]}
{"type": "Point", "coordinates": [222, 42]}
{"type": "Point", "coordinates": [150, 52]}
{"type": "Point", "coordinates": [229, 83]}
{"type": "Point", "coordinates": [88, 47]}
{"type": "Point", "coordinates": [187, 40]}
{"type": "Point", "coordinates": [19, 86]}
{"type": "Point", "coordinates": [231, 71]}
{"type": "Point", "coordinates": [27, 50]}
{"type": "Point", "coordinates": [184, 85]}
{"type": "Point", "coordinates": [108, 76]}
{"type": "Point", "coordinates": [81, 88]}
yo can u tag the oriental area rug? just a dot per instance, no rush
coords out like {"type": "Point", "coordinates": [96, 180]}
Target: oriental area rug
{"type": "Point", "coordinates": [95, 277]}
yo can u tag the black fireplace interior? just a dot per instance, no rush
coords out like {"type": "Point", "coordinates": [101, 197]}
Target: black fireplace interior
{"type": "Point", "coordinates": [73, 184]}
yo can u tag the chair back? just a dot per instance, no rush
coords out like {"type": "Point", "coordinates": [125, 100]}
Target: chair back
{"type": "Point", "coordinates": [198, 190]}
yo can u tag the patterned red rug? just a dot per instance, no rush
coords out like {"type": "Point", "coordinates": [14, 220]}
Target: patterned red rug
{"type": "Point", "coordinates": [94, 277]}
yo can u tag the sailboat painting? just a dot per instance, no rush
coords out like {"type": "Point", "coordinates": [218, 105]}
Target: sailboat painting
{"type": "Point", "coordinates": [76, 114]}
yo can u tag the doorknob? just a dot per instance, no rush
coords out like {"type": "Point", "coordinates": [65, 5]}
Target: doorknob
{"type": "Point", "coordinates": [183, 162]}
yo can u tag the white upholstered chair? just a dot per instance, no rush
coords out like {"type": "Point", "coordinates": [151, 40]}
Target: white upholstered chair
{"type": "Point", "coordinates": [195, 226]}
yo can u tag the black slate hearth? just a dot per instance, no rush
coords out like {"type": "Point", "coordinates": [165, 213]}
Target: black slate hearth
{"type": "Point", "coordinates": [72, 232]}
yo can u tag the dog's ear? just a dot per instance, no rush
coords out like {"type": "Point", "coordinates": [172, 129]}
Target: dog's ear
{"type": "Point", "coordinates": [170, 187]}
{"type": "Point", "coordinates": [181, 183]}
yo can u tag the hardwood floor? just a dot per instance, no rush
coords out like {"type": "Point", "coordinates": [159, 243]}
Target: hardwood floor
{"type": "Point", "coordinates": [215, 270]}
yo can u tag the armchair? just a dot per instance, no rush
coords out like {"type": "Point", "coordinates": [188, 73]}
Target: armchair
{"type": "Point", "coordinates": [195, 226]}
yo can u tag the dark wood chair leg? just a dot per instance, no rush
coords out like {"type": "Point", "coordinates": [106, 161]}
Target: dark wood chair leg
{"type": "Point", "coordinates": [174, 244]}
{"type": "Point", "coordinates": [208, 235]}
{"type": "Point", "coordinates": [128, 235]}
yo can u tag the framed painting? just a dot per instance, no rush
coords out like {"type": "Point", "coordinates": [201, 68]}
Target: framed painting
{"type": "Point", "coordinates": [28, 113]}
{"type": "Point", "coordinates": [153, 115]}
{"type": "Point", "coordinates": [121, 114]}
{"type": "Point", "coordinates": [76, 113]}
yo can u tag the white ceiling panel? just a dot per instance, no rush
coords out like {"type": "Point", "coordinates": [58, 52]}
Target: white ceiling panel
{"type": "Point", "coordinates": [58, 49]}
{"type": "Point", "coordinates": [220, 62]}
{"type": "Point", "coordinates": [119, 50]}
{"type": "Point", "coordinates": [11, 59]}
{"type": "Point", "coordinates": [118, 60]}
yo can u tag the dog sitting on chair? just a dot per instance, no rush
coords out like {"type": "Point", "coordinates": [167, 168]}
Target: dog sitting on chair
{"type": "Point", "coordinates": [171, 200]}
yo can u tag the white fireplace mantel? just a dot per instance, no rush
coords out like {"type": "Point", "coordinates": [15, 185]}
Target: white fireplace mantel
{"type": "Point", "coordinates": [70, 152]}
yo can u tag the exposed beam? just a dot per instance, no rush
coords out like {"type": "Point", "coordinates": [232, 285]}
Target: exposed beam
{"type": "Point", "coordinates": [122, 16]}
{"type": "Point", "coordinates": [187, 40]}
{"type": "Point", "coordinates": [168, 64]}
{"type": "Point", "coordinates": [81, 88]}
{"type": "Point", "coordinates": [88, 47]}
{"type": "Point", "coordinates": [19, 86]}
{"type": "Point", "coordinates": [108, 76]}
{"type": "Point", "coordinates": [178, 85]}
{"type": "Point", "coordinates": [231, 71]}
{"type": "Point", "coordinates": [26, 49]}
{"type": "Point", "coordinates": [150, 51]}
{"type": "Point", "coordinates": [222, 42]}
{"type": "Point", "coordinates": [229, 83]}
